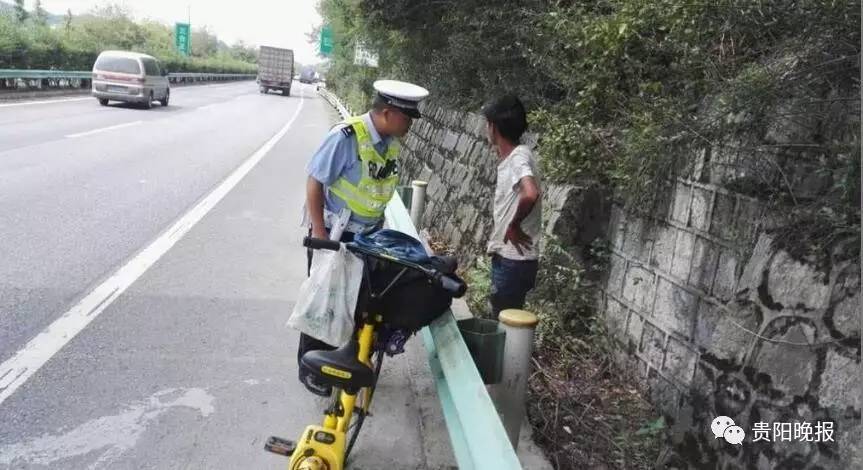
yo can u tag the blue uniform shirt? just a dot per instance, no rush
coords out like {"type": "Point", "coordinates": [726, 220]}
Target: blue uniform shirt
{"type": "Point", "coordinates": [337, 157]}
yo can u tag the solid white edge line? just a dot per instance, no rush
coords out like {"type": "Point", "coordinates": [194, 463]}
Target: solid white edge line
{"type": "Point", "coordinates": [15, 371]}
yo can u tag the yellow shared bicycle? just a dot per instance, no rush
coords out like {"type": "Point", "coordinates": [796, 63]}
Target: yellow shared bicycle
{"type": "Point", "coordinates": [405, 291]}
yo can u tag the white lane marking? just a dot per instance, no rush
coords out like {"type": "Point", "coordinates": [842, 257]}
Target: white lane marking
{"type": "Point", "coordinates": [20, 367]}
{"type": "Point", "coordinates": [107, 436]}
{"type": "Point", "coordinates": [103, 129]}
{"type": "Point", "coordinates": [31, 103]}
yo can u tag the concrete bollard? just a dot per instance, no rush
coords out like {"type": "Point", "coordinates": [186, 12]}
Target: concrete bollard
{"type": "Point", "coordinates": [510, 393]}
{"type": "Point", "coordinates": [418, 202]}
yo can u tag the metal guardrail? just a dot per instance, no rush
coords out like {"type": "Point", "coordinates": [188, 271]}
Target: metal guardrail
{"type": "Point", "coordinates": [37, 74]}
{"type": "Point", "coordinates": [336, 102]}
{"type": "Point", "coordinates": [39, 79]}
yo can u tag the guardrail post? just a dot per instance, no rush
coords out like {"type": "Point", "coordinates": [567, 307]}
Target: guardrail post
{"type": "Point", "coordinates": [418, 202]}
{"type": "Point", "coordinates": [518, 348]}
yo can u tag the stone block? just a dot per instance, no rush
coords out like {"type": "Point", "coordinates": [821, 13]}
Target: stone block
{"type": "Point", "coordinates": [467, 216]}
{"type": "Point", "coordinates": [617, 228]}
{"type": "Point", "coordinates": [747, 221]}
{"type": "Point", "coordinates": [701, 157]}
{"type": "Point", "coordinates": [465, 143]}
{"type": "Point", "coordinates": [722, 219]}
{"type": "Point", "coordinates": [699, 216]}
{"type": "Point", "coordinates": [680, 360]}
{"type": "Point", "coordinates": [675, 308]}
{"type": "Point", "coordinates": [635, 243]}
{"type": "Point", "coordinates": [680, 210]}
{"type": "Point", "coordinates": [683, 251]}
{"type": "Point", "coordinates": [720, 331]}
{"type": "Point", "coordinates": [663, 393]}
{"type": "Point", "coordinates": [663, 247]}
{"type": "Point", "coordinates": [615, 318]}
{"type": "Point", "coordinates": [704, 260]}
{"type": "Point", "coordinates": [450, 140]}
{"type": "Point", "coordinates": [616, 273]}
{"type": "Point", "coordinates": [639, 287]}
{"type": "Point", "coordinates": [634, 331]}
{"type": "Point", "coordinates": [795, 285]}
{"type": "Point", "coordinates": [479, 127]}
{"type": "Point", "coordinates": [724, 283]}
{"type": "Point", "coordinates": [455, 235]}
{"type": "Point", "coordinates": [753, 271]}
{"type": "Point", "coordinates": [437, 161]}
{"type": "Point", "coordinates": [425, 174]}
{"type": "Point", "coordinates": [790, 369]}
{"type": "Point", "coordinates": [841, 382]}
{"type": "Point", "coordinates": [846, 316]}
{"type": "Point", "coordinates": [653, 345]}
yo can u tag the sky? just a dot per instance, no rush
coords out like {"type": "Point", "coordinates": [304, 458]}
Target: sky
{"type": "Point", "coordinates": [280, 23]}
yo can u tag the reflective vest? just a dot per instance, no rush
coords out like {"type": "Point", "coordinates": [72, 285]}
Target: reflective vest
{"type": "Point", "coordinates": [379, 178]}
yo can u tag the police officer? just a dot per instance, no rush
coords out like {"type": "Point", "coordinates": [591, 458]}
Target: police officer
{"type": "Point", "coordinates": [356, 168]}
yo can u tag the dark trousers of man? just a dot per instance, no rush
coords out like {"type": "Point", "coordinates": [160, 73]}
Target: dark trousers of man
{"type": "Point", "coordinates": [511, 280]}
{"type": "Point", "coordinates": [307, 343]}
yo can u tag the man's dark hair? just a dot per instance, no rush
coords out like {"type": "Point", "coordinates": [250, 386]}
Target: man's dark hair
{"type": "Point", "coordinates": [508, 116]}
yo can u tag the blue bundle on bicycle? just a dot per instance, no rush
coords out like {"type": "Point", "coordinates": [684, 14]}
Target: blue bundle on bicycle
{"type": "Point", "coordinates": [411, 300]}
{"type": "Point", "coordinates": [393, 243]}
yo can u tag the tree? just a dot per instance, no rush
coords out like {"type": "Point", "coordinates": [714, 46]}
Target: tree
{"type": "Point", "coordinates": [21, 13]}
{"type": "Point", "coordinates": [67, 22]}
{"type": "Point", "coordinates": [40, 15]}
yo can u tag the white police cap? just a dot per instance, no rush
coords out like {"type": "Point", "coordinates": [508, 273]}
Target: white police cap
{"type": "Point", "coordinates": [403, 95]}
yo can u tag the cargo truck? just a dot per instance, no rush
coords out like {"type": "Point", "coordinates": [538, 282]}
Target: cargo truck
{"type": "Point", "coordinates": [275, 69]}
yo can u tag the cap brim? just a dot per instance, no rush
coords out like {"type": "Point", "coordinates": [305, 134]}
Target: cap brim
{"type": "Point", "coordinates": [412, 112]}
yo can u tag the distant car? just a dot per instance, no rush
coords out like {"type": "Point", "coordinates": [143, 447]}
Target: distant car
{"type": "Point", "coordinates": [130, 77]}
{"type": "Point", "coordinates": [307, 75]}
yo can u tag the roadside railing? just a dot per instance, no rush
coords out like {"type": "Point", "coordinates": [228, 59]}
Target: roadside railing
{"type": "Point", "coordinates": [28, 80]}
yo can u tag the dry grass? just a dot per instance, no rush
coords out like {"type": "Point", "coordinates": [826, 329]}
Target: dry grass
{"type": "Point", "coordinates": [587, 414]}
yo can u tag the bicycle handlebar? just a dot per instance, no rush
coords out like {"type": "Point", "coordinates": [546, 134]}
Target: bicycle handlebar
{"type": "Point", "coordinates": [321, 244]}
{"type": "Point", "coordinates": [455, 286]}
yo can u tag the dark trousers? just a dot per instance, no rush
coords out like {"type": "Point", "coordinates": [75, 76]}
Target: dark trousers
{"type": "Point", "coordinates": [307, 343]}
{"type": "Point", "coordinates": [511, 280]}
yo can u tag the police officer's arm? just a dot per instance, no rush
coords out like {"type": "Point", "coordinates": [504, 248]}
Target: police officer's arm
{"type": "Point", "coordinates": [325, 167]}
{"type": "Point", "coordinates": [315, 206]}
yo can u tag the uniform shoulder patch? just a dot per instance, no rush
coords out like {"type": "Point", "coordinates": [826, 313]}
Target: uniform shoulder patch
{"type": "Point", "coordinates": [348, 131]}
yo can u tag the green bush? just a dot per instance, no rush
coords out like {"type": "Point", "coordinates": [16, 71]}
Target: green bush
{"type": "Point", "coordinates": [626, 92]}
{"type": "Point", "coordinates": [75, 46]}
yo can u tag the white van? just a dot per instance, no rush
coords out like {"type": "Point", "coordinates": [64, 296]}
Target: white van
{"type": "Point", "coordinates": [130, 77]}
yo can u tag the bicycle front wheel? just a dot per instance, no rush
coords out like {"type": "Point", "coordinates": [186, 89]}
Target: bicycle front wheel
{"type": "Point", "coordinates": [364, 401]}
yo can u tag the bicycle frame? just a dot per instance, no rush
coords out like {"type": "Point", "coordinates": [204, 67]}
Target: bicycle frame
{"type": "Point", "coordinates": [323, 447]}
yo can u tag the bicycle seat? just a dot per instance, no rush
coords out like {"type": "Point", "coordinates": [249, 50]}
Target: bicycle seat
{"type": "Point", "coordinates": [339, 368]}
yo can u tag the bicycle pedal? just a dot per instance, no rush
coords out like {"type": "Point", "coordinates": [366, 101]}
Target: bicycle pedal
{"type": "Point", "coordinates": [280, 446]}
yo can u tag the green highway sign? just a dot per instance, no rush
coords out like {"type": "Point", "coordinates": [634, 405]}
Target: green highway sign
{"type": "Point", "coordinates": [326, 40]}
{"type": "Point", "coordinates": [183, 38]}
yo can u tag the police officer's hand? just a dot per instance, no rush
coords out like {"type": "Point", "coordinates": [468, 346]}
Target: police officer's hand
{"type": "Point", "coordinates": [319, 232]}
{"type": "Point", "coordinates": [516, 236]}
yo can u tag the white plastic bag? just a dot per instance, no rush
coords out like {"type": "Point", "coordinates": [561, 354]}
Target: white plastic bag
{"type": "Point", "coordinates": [328, 298]}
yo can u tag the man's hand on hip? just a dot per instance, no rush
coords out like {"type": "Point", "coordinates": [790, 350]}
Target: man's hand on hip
{"type": "Point", "coordinates": [516, 236]}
